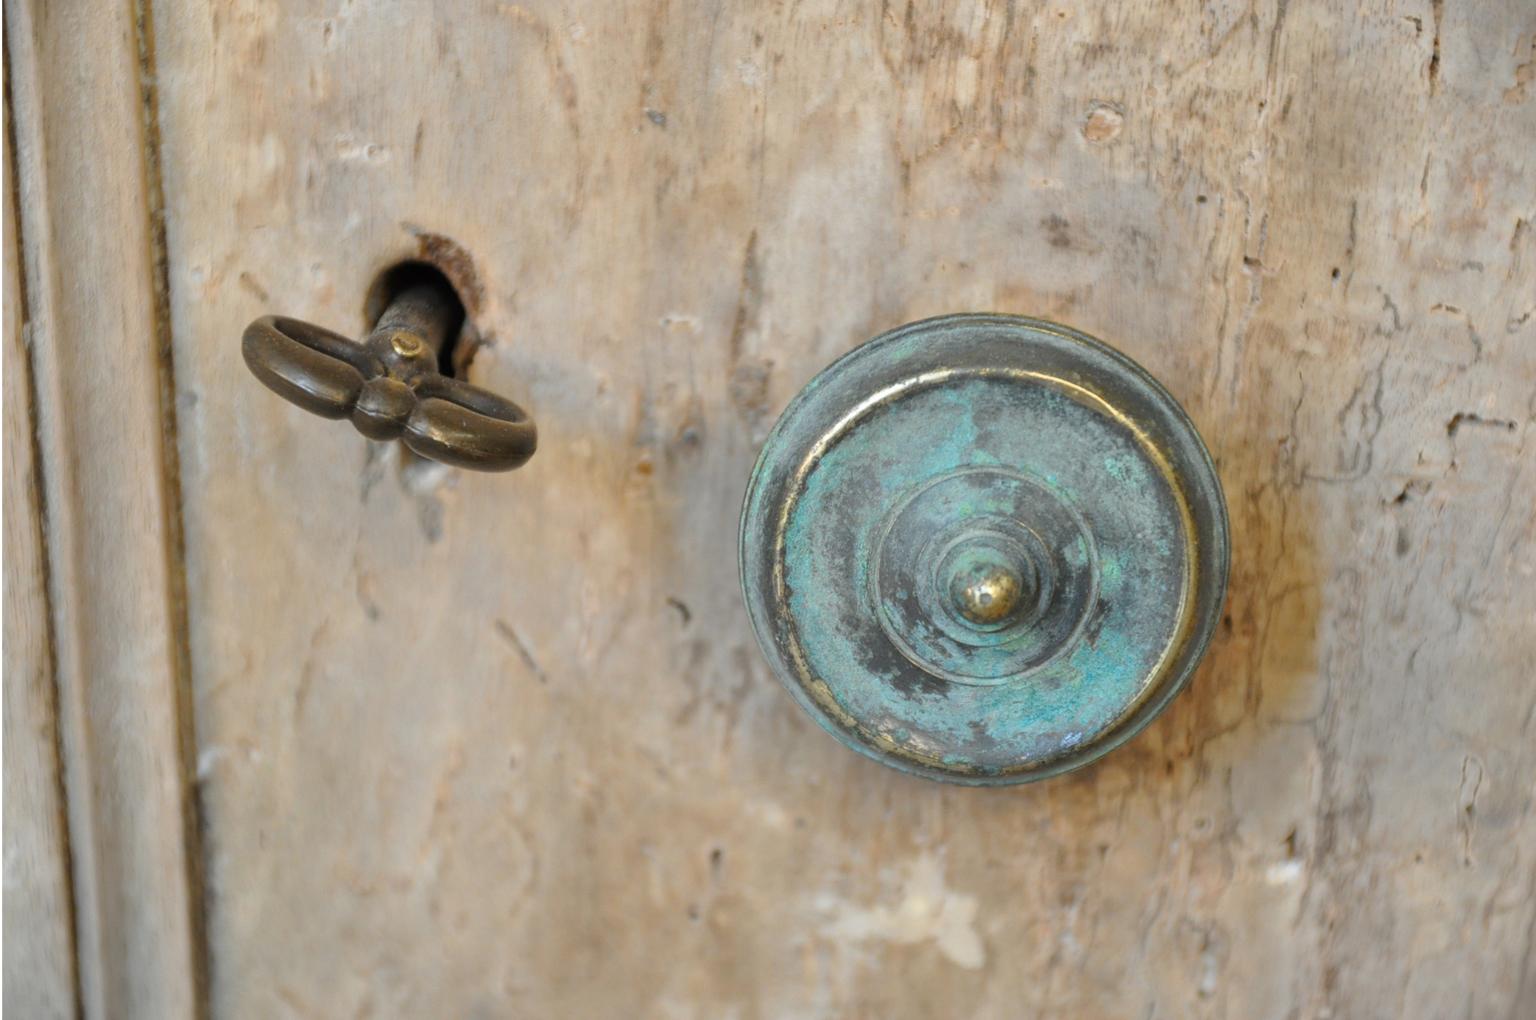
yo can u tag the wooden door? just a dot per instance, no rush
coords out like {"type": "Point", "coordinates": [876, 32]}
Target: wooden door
{"type": "Point", "coordinates": [295, 731]}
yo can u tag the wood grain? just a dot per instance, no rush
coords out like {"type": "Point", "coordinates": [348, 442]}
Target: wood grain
{"type": "Point", "coordinates": [491, 746]}
{"type": "Point", "coordinates": [39, 936]}
{"type": "Point", "coordinates": [84, 190]}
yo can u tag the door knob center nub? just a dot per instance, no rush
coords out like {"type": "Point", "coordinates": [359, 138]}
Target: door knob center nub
{"type": "Point", "coordinates": [987, 589]}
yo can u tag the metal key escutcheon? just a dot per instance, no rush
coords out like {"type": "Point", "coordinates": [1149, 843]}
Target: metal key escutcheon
{"type": "Point", "coordinates": [389, 384]}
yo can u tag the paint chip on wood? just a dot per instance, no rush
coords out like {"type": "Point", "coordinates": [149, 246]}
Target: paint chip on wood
{"type": "Point", "coordinates": [926, 911]}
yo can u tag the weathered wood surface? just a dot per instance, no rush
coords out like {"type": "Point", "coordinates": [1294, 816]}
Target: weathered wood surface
{"type": "Point", "coordinates": [107, 493]}
{"type": "Point", "coordinates": [39, 937]}
{"type": "Point", "coordinates": [486, 746]}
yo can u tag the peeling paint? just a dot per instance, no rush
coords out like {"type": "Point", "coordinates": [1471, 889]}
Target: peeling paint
{"type": "Point", "coordinates": [926, 911]}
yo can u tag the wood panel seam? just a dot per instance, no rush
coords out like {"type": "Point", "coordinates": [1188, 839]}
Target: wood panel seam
{"type": "Point", "coordinates": [98, 421]}
{"type": "Point", "coordinates": [170, 463]}
{"type": "Point", "coordinates": [37, 492]}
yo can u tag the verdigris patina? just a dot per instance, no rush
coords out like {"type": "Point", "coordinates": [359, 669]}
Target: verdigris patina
{"type": "Point", "coordinates": [984, 549]}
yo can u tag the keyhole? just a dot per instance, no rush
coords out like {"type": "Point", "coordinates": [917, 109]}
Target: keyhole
{"type": "Point", "coordinates": [461, 340]}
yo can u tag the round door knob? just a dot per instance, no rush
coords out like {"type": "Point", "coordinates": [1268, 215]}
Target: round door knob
{"type": "Point", "coordinates": [390, 385]}
{"type": "Point", "coordinates": [984, 549]}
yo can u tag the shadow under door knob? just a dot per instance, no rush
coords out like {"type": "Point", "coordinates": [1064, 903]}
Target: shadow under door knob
{"type": "Point", "coordinates": [389, 384]}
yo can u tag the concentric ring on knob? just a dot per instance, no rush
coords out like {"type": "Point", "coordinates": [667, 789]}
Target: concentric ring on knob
{"type": "Point", "coordinates": [984, 549]}
{"type": "Point", "coordinates": [969, 525]}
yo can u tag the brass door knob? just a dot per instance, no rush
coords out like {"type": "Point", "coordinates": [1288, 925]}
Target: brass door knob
{"type": "Point", "coordinates": [390, 385]}
{"type": "Point", "coordinates": [984, 549]}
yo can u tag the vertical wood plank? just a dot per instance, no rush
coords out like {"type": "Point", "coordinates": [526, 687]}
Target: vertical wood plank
{"type": "Point", "coordinates": [86, 196]}
{"type": "Point", "coordinates": [39, 923]}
